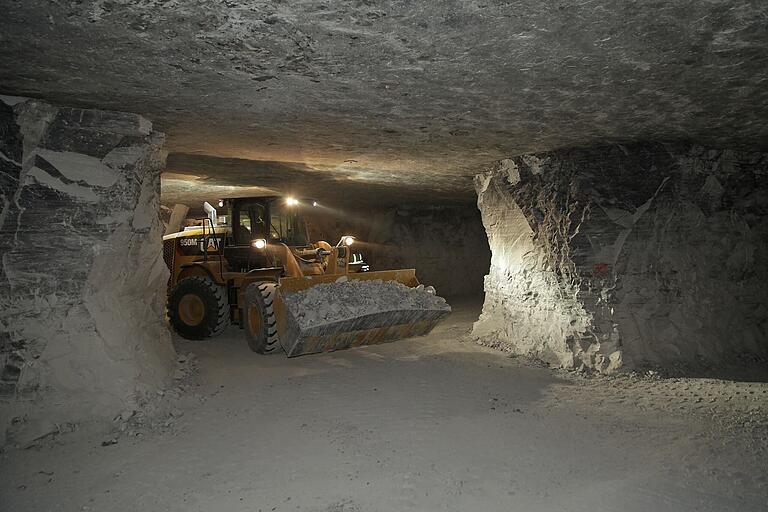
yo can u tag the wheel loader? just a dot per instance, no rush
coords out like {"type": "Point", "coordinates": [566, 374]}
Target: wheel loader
{"type": "Point", "coordinates": [237, 268]}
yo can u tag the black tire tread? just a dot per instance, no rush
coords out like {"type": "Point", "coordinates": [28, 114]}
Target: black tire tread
{"type": "Point", "coordinates": [262, 295]}
{"type": "Point", "coordinates": [211, 293]}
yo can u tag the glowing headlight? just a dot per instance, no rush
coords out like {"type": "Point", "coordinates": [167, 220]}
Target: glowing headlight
{"type": "Point", "coordinates": [221, 203]}
{"type": "Point", "coordinates": [348, 240]}
{"type": "Point", "coordinates": [291, 201]}
{"type": "Point", "coordinates": [259, 243]}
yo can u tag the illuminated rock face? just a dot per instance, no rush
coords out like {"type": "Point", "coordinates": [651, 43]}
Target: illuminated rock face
{"type": "Point", "coordinates": [81, 322]}
{"type": "Point", "coordinates": [529, 308]}
{"type": "Point", "coordinates": [637, 255]}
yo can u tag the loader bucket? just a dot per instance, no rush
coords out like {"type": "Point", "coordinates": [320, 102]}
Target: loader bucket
{"type": "Point", "coordinates": [376, 327]}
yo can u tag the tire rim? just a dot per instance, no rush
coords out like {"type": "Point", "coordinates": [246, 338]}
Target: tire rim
{"type": "Point", "coordinates": [254, 321]}
{"type": "Point", "coordinates": [191, 309]}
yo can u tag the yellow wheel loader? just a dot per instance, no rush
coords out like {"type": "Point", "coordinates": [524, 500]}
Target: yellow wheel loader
{"type": "Point", "coordinates": [239, 267]}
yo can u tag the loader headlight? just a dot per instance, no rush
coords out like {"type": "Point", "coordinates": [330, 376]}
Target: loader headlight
{"type": "Point", "coordinates": [291, 201]}
{"type": "Point", "coordinates": [346, 241]}
{"type": "Point", "coordinates": [259, 243]}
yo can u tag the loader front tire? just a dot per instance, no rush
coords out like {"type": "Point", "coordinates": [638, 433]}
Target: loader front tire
{"type": "Point", "coordinates": [198, 308]}
{"type": "Point", "coordinates": [259, 318]}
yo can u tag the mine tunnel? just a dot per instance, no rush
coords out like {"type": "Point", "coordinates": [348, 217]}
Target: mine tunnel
{"type": "Point", "coordinates": [384, 256]}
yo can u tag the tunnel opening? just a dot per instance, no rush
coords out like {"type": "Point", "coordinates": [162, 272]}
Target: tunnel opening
{"type": "Point", "coordinates": [439, 234]}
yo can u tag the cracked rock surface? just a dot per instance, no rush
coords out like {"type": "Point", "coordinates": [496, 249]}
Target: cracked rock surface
{"type": "Point", "coordinates": [82, 280]}
{"type": "Point", "coordinates": [396, 92]}
{"type": "Point", "coordinates": [637, 255]}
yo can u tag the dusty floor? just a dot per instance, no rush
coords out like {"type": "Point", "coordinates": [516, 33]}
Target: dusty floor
{"type": "Point", "coordinates": [422, 424]}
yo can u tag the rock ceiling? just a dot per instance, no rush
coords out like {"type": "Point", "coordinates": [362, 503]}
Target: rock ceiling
{"type": "Point", "coordinates": [408, 98]}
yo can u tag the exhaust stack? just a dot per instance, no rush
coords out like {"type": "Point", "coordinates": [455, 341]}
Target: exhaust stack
{"type": "Point", "coordinates": [211, 212]}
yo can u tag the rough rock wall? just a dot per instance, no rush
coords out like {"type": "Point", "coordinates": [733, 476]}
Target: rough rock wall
{"type": "Point", "coordinates": [638, 255]}
{"type": "Point", "coordinates": [445, 244]}
{"type": "Point", "coordinates": [529, 308]}
{"type": "Point", "coordinates": [81, 322]}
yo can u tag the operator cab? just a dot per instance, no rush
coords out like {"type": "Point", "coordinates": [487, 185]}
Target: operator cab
{"type": "Point", "coordinates": [270, 218]}
{"type": "Point", "coordinates": [274, 219]}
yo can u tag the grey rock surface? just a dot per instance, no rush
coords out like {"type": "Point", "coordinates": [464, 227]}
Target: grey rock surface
{"type": "Point", "coordinates": [636, 255]}
{"type": "Point", "coordinates": [418, 94]}
{"type": "Point", "coordinates": [82, 281]}
{"type": "Point", "coordinates": [446, 245]}
{"type": "Point", "coordinates": [333, 302]}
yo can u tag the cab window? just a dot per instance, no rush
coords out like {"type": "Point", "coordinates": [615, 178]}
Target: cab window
{"type": "Point", "coordinates": [286, 225]}
{"type": "Point", "coordinates": [248, 223]}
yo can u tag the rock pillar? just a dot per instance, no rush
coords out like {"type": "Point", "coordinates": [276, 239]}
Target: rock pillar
{"type": "Point", "coordinates": [82, 278]}
{"type": "Point", "coordinates": [642, 255]}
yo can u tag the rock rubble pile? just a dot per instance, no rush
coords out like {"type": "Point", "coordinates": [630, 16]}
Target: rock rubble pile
{"type": "Point", "coordinates": [333, 302]}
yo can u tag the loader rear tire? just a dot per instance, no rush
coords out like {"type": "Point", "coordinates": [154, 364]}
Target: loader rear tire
{"type": "Point", "coordinates": [198, 308]}
{"type": "Point", "coordinates": [259, 318]}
